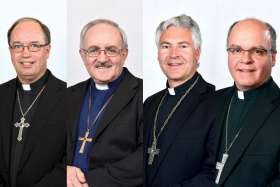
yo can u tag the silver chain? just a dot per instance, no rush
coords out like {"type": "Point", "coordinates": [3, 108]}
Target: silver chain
{"type": "Point", "coordinates": [155, 138]}
{"type": "Point", "coordinates": [227, 148]}
{"type": "Point", "coordinates": [31, 105]}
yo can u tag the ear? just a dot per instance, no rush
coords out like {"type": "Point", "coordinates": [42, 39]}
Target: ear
{"type": "Point", "coordinates": [197, 54]}
{"type": "Point", "coordinates": [273, 59]}
{"type": "Point", "coordinates": [83, 55]}
{"type": "Point", "coordinates": [124, 53]}
{"type": "Point", "coordinates": [47, 49]}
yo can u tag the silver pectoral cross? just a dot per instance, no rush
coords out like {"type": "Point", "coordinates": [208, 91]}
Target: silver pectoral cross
{"type": "Point", "coordinates": [152, 151]}
{"type": "Point", "coordinates": [21, 125]}
{"type": "Point", "coordinates": [220, 167]}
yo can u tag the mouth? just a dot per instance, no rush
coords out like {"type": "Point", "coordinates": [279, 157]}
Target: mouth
{"type": "Point", "coordinates": [246, 70]}
{"type": "Point", "coordinates": [174, 64]}
{"type": "Point", "coordinates": [27, 63]}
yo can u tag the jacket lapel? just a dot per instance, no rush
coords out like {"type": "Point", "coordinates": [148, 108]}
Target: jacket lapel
{"type": "Point", "coordinates": [254, 120]}
{"type": "Point", "coordinates": [7, 119]}
{"type": "Point", "coordinates": [179, 120]}
{"type": "Point", "coordinates": [125, 91]}
{"type": "Point", "coordinates": [41, 116]}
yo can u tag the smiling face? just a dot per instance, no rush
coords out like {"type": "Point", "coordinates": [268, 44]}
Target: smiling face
{"type": "Point", "coordinates": [177, 55]}
{"type": "Point", "coordinates": [250, 70]}
{"type": "Point", "coordinates": [103, 68]}
{"type": "Point", "coordinates": [30, 66]}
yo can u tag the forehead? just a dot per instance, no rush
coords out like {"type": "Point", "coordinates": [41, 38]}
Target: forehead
{"type": "Point", "coordinates": [103, 35]}
{"type": "Point", "coordinates": [27, 31]}
{"type": "Point", "coordinates": [249, 33]}
{"type": "Point", "coordinates": [176, 34]}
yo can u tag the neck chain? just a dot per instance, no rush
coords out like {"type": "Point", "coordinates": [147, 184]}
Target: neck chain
{"type": "Point", "coordinates": [22, 124]}
{"type": "Point", "coordinates": [90, 125]}
{"type": "Point", "coordinates": [220, 165]}
{"type": "Point", "coordinates": [85, 138]}
{"type": "Point", "coordinates": [153, 151]}
{"type": "Point", "coordinates": [228, 146]}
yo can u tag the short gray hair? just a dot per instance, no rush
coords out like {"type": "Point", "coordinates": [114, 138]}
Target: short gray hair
{"type": "Point", "coordinates": [103, 21]}
{"type": "Point", "coordinates": [271, 32]}
{"type": "Point", "coordinates": [180, 21]}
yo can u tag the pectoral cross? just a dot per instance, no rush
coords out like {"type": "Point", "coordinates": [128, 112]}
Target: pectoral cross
{"type": "Point", "coordinates": [85, 139]}
{"type": "Point", "coordinates": [220, 167]}
{"type": "Point", "coordinates": [21, 125]}
{"type": "Point", "coordinates": [152, 151]}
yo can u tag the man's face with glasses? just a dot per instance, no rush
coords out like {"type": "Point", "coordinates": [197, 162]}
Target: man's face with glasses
{"type": "Point", "coordinates": [102, 53]}
{"type": "Point", "coordinates": [29, 51]}
{"type": "Point", "coordinates": [250, 57]}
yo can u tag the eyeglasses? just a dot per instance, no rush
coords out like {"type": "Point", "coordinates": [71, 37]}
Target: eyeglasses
{"type": "Point", "coordinates": [254, 52]}
{"type": "Point", "coordinates": [33, 47]}
{"type": "Point", "coordinates": [108, 51]}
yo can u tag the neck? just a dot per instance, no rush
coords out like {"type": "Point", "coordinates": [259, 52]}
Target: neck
{"type": "Point", "coordinates": [30, 80]}
{"type": "Point", "coordinates": [175, 83]}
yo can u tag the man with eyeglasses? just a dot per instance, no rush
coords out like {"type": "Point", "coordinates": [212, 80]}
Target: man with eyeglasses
{"type": "Point", "coordinates": [32, 134]}
{"type": "Point", "coordinates": [105, 133]}
{"type": "Point", "coordinates": [178, 131]}
{"type": "Point", "coordinates": [249, 112]}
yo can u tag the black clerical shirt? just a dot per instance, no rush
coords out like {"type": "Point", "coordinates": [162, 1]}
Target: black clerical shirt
{"type": "Point", "coordinates": [26, 98]}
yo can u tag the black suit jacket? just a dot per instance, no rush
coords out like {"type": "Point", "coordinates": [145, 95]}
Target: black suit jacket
{"type": "Point", "coordinates": [45, 146]}
{"type": "Point", "coordinates": [187, 143]}
{"type": "Point", "coordinates": [116, 158]}
{"type": "Point", "coordinates": [254, 159]}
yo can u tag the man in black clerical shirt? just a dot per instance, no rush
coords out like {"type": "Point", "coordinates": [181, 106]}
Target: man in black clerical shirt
{"type": "Point", "coordinates": [249, 111]}
{"type": "Point", "coordinates": [32, 135]}
{"type": "Point", "coordinates": [105, 133]}
{"type": "Point", "coordinates": [177, 126]}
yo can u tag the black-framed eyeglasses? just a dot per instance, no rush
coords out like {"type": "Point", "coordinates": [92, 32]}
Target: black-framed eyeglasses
{"type": "Point", "coordinates": [111, 51]}
{"type": "Point", "coordinates": [32, 47]}
{"type": "Point", "coordinates": [254, 51]}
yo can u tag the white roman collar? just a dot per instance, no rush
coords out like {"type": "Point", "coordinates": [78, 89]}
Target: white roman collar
{"type": "Point", "coordinates": [101, 86]}
{"type": "Point", "coordinates": [240, 94]}
{"type": "Point", "coordinates": [171, 91]}
{"type": "Point", "coordinates": [26, 87]}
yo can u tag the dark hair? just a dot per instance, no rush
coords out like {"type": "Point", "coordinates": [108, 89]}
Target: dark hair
{"type": "Point", "coordinates": [45, 29]}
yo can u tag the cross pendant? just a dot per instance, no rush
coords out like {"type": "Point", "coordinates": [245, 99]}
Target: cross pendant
{"type": "Point", "coordinates": [220, 167]}
{"type": "Point", "coordinates": [21, 125]}
{"type": "Point", "coordinates": [85, 139]}
{"type": "Point", "coordinates": [152, 151]}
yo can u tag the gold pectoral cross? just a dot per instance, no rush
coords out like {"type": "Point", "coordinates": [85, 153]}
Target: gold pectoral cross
{"type": "Point", "coordinates": [85, 139]}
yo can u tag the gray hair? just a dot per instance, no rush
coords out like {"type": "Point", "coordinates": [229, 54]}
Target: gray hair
{"type": "Point", "coordinates": [271, 33]}
{"type": "Point", "coordinates": [180, 21]}
{"type": "Point", "coordinates": [105, 21]}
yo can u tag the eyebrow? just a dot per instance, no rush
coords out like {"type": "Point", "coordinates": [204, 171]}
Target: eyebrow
{"type": "Point", "coordinates": [258, 46]}
{"type": "Point", "coordinates": [179, 43]}
{"type": "Point", "coordinates": [18, 42]}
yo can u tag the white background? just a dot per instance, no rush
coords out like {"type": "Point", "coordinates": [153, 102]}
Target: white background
{"type": "Point", "coordinates": [127, 13]}
{"type": "Point", "coordinates": [214, 18]}
{"type": "Point", "coordinates": [65, 19]}
{"type": "Point", "coordinates": [53, 14]}
{"type": "Point", "coordinates": [139, 19]}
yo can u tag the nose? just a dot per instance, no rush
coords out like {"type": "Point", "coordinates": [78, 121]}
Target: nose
{"type": "Point", "coordinates": [25, 52]}
{"type": "Point", "coordinates": [102, 57]}
{"type": "Point", "coordinates": [174, 51]}
{"type": "Point", "coordinates": [246, 57]}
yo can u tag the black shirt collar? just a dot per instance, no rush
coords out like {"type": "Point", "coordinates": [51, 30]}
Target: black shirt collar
{"type": "Point", "coordinates": [181, 89]}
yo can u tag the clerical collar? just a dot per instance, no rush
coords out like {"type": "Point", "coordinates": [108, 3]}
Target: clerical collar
{"type": "Point", "coordinates": [181, 89]}
{"type": "Point", "coordinates": [35, 85]}
{"type": "Point", "coordinates": [104, 87]}
{"type": "Point", "coordinates": [250, 94]}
